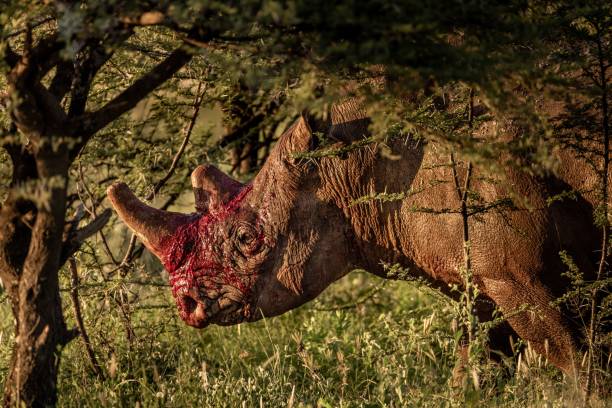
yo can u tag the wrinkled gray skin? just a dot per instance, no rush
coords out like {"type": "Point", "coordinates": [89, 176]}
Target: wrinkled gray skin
{"type": "Point", "coordinates": [314, 235]}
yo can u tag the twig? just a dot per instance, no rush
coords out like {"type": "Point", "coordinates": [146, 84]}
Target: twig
{"type": "Point", "coordinates": [463, 196]}
{"type": "Point", "coordinates": [126, 317]}
{"type": "Point", "coordinates": [76, 238]}
{"type": "Point", "coordinates": [196, 109]}
{"type": "Point", "coordinates": [93, 211]}
{"type": "Point", "coordinates": [31, 26]}
{"type": "Point", "coordinates": [592, 333]}
{"type": "Point", "coordinates": [74, 295]}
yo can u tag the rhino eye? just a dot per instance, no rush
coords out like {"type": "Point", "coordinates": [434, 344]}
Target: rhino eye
{"type": "Point", "coordinates": [247, 239]}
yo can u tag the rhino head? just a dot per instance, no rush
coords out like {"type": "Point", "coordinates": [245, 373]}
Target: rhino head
{"type": "Point", "coordinates": [248, 251]}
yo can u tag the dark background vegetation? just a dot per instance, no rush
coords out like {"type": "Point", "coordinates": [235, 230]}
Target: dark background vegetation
{"type": "Point", "coordinates": [97, 91]}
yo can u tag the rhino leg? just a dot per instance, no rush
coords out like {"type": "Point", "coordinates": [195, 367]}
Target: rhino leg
{"type": "Point", "coordinates": [543, 326]}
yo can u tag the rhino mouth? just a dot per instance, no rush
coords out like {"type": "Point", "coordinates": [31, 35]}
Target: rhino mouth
{"type": "Point", "coordinates": [200, 307]}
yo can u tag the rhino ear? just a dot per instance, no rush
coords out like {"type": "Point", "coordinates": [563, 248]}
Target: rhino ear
{"type": "Point", "coordinates": [280, 177]}
{"type": "Point", "coordinates": [301, 138]}
{"type": "Point", "coordinates": [298, 139]}
{"type": "Point", "coordinates": [212, 188]}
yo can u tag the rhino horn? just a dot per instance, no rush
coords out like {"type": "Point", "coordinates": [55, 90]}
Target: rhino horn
{"type": "Point", "coordinates": [154, 227]}
{"type": "Point", "coordinates": [212, 188]}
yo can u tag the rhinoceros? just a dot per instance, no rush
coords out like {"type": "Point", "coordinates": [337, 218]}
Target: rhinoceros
{"type": "Point", "coordinates": [268, 246]}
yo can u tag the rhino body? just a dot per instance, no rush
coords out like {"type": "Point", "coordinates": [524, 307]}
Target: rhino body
{"type": "Point", "coordinates": [267, 247]}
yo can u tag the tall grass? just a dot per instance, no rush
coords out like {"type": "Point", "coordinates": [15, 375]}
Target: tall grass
{"type": "Point", "coordinates": [365, 342]}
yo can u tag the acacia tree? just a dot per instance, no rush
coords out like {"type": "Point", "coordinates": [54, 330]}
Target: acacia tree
{"type": "Point", "coordinates": [49, 74]}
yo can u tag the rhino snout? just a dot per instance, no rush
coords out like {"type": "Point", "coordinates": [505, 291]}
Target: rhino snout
{"type": "Point", "coordinates": [192, 310]}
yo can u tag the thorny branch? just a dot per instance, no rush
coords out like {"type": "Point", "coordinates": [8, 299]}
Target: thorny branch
{"type": "Point", "coordinates": [74, 295]}
{"type": "Point", "coordinates": [90, 123]}
{"type": "Point", "coordinates": [93, 212]}
{"type": "Point", "coordinates": [603, 261]}
{"type": "Point", "coordinates": [196, 110]}
{"type": "Point", "coordinates": [76, 237]}
{"type": "Point", "coordinates": [463, 196]}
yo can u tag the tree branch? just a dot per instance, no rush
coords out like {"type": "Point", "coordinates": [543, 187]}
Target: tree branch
{"type": "Point", "coordinates": [76, 238]}
{"type": "Point", "coordinates": [90, 123]}
{"type": "Point", "coordinates": [89, 62]}
{"type": "Point", "coordinates": [60, 84]}
{"type": "Point", "coordinates": [74, 295]}
{"type": "Point", "coordinates": [93, 212]}
{"type": "Point", "coordinates": [30, 67]}
{"type": "Point", "coordinates": [36, 111]}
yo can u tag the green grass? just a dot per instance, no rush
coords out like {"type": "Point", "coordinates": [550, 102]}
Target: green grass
{"type": "Point", "coordinates": [365, 342]}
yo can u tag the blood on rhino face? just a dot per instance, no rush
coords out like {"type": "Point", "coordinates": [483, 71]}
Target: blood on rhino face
{"type": "Point", "coordinates": [213, 263]}
{"type": "Point", "coordinates": [213, 256]}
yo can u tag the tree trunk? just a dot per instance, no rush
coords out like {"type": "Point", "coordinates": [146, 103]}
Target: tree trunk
{"type": "Point", "coordinates": [39, 332]}
{"type": "Point", "coordinates": [31, 241]}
